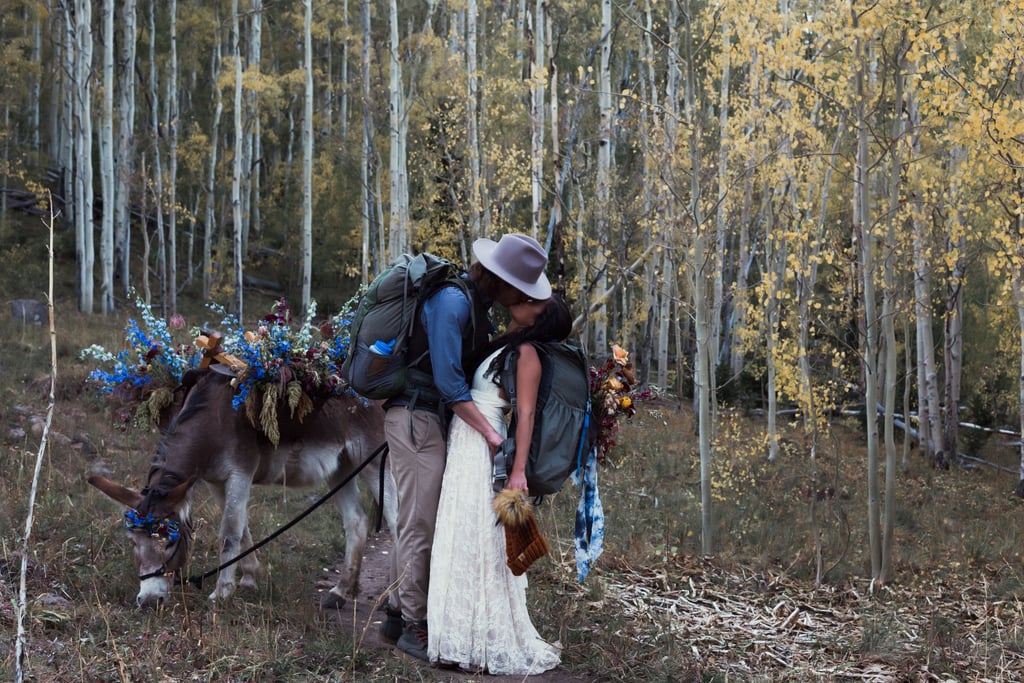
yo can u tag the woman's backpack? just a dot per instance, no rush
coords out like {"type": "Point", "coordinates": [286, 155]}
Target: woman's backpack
{"type": "Point", "coordinates": [563, 430]}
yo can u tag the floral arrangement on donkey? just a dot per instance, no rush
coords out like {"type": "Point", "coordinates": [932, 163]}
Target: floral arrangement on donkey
{"type": "Point", "coordinates": [283, 371]}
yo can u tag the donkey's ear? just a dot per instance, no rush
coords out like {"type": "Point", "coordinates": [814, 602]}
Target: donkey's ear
{"type": "Point", "coordinates": [122, 494]}
{"type": "Point", "coordinates": [178, 493]}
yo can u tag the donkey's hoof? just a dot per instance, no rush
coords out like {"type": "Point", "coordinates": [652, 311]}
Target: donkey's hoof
{"type": "Point", "coordinates": [332, 600]}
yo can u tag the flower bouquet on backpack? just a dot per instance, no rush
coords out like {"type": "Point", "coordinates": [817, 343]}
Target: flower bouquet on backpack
{"type": "Point", "coordinates": [612, 395]}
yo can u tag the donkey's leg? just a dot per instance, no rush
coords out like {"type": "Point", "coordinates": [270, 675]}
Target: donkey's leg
{"type": "Point", "coordinates": [234, 531]}
{"type": "Point", "coordinates": [356, 529]}
{"type": "Point", "coordinates": [250, 564]}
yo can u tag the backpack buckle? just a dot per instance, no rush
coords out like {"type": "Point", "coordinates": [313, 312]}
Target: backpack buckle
{"type": "Point", "coordinates": [502, 460]}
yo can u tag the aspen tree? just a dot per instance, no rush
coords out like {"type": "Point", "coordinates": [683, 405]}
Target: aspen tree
{"type": "Point", "coordinates": [307, 157]}
{"type": "Point", "coordinates": [125, 144]}
{"type": "Point", "coordinates": [106, 136]}
{"type": "Point", "coordinates": [237, 208]}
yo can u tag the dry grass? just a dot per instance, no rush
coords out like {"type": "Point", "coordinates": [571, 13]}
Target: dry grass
{"type": "Point", "coordinates": [652, 610]}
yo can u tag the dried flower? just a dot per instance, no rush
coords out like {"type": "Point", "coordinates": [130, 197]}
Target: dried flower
{"type": "Point", "coordinates": [612, 396]}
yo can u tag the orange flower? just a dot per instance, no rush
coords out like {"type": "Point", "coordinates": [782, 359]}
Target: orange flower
{"type": "Point", "coordinates": [620, 354]}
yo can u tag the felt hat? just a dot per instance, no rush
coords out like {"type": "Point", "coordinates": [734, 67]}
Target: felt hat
{"type": "Point", "coordinates": [517, 259]}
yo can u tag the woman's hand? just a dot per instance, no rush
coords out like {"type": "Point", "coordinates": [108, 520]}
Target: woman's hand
{"type": "Point", "coordinates": [517, 480]}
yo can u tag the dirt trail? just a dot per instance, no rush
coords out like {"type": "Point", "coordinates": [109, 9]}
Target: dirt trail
{"type": "Point", "coordinates": [364, 621]}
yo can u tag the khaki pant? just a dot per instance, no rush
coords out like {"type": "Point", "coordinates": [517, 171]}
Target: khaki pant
{"type": "Point", "coordinates": [417, 453]}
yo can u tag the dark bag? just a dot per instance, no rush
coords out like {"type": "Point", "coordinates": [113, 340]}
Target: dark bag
{"type": "Point", "coordinates": [563, 429]}
{"type": "Point", "coordinates": [376, 365]}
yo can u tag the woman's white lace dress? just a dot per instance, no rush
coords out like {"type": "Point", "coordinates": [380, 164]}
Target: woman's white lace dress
{"type": "Point", "coordinates": [476, 608]}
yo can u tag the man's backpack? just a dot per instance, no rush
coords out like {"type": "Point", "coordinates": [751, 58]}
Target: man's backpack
{"type": "Point", "coordinates": [564, 429]}
{"type": "Point", "coordinates": [376, 365]}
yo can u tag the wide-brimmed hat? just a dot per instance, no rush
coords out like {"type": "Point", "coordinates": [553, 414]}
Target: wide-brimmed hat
{"type": "Point", "coordinates": [517, 259]}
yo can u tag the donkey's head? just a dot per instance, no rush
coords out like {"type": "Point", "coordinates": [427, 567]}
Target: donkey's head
{"type": "Point", "coordinates": [158, 525]}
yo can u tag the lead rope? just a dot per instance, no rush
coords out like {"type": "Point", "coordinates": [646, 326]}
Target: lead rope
{"type": "Point", "coordinates": [197, 581]}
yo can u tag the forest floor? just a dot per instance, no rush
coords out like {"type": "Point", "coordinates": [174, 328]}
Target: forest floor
{"type": "Point", "coordinates": [361, 618]}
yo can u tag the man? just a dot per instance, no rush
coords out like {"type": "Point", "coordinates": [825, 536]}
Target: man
{"type": "Point", "coordinates": [452, 329]}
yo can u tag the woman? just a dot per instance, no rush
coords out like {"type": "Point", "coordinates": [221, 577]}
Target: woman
{"type": "Point", "coordinates": [476, 608]}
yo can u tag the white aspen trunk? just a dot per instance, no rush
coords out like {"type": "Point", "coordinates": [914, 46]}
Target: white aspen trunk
{"type": "Point", "coordinates": [776, 253]}
{"type": "Point", "coordinates": [35, 89]}
{"type": "Point", "coordinates": [253, 141]}
{"type": "Point", "coordinates": [158, 177]}
{"type": "Point", "coordinates": [473, 120]}
{"type": "Point", "coordinates": [125, 145]}
{"type": "Point", "coordinates": [307, 159]}
{"type": "Point", "coordinates": [1018, 295]}
{"type": "Point", "coordinates": [862, 229]}
{"type": "Point", "coordinates": [704, 378]}
{"type": "Point", "coordinates": [107, 163]}
{"type": "Point", "coordinates": [211, 179]}
{"type": "Point", "coordinates": [744, 255]}
{"type": "Point", "coordinates": [63, 122]}
{"type": "Point", "coordinates": [399, 238]}
{"type": "Point", "coordinates": [147, 295]}
{"type": "Point", "coordinates": [889, 305]}
{"type": "Point", "coordinates": [172, 171]}
{"type": "Point", "coordinates": [929, 409]}
{"type": "Point", "coordinates": [673, 82]}
{"type": "Point", "coordinates": [343, 105]}
{"type": "Point", "coordinates": [956, 252]}
{"type": "Point", "coordinates": [366, 151]}
{"type": "Point", "coordinates": [538, 77]}
{"type": "Point", "coordinates": [721, 229]}
{"type": "Point", "coordinates": [236, 168]}
{"type": "Point", "coordinates": [603, 181]}
{"type": "Point", "coordinates": [83, 199]}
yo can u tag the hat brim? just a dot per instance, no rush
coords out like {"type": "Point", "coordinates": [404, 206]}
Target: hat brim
{"type": "Point", "coordinates": [483, 249]}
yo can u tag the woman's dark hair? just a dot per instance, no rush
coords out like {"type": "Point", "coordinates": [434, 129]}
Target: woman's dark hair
{"type": "Point", "coordinates": [553, 324]}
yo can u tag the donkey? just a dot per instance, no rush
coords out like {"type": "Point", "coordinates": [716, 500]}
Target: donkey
{"type": "Point", "coordinates": [210, 440]}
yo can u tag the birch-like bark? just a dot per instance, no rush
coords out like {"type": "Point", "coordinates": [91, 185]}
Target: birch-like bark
{"type": "Point", "coordinates": [956, 249]}
{"type": "Point", "coordinates": [399, 238]}
{"type": "Point", "coordinates": [211, 178]}
{"type": "Point", "coordinates": [366, 151]}
{"type": "Point", "coordinates": [158, 177]}
{"type": "Point", "coordinates": [172, 170]}
{"type": "Point", "coordinates": [929, 416]}
{"type": "Point", "coordinates": [721, 228]}
{"type": "Point", "coordinates": [1018, 295]}
{"type": "Point", "coordinates": [83, 197]}
{"type": "Point", "coordinates": [473, 120]}
{"type": "Point", "coordinates": [107, 163]}
{"type": "Point", "coordinates": [538, 76]}
{"type": "Point", "coordinates": [253, 139]}
{"type": "Point", "coordinates": [35, 87]}
{"type": "Point", "coordinates": [668, 287]}
{"type": "Point", "coordinates": [889, 304]}
{"type": "Point", "coordinates": [862, 230]}
{"type": "Point", "coordinates": [307, 159]}
{"type": "Point", "coordinates": [700, 265]}
{"type": "Point", "coordinates": [236, 168]}
{"type": "Point", "coordinates": [605, 149]}
{"type": "Point", "coordinates": [125, 145]}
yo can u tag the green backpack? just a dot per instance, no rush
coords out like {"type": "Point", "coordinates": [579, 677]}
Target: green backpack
{"type": "Point", "coordinates": [376, 365]}
{"type": "Point", "coordinates": [564, 429]}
